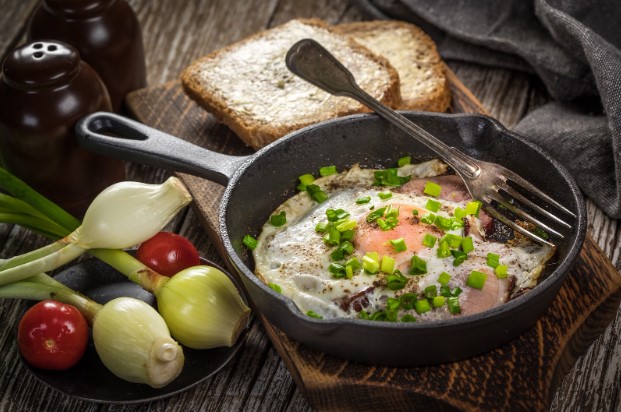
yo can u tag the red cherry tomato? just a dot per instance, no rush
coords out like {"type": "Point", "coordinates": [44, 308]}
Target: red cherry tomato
{"type": "Point", "coordinates": [52, 335]}
{"type": "Point", "coordinates": [168, 253]}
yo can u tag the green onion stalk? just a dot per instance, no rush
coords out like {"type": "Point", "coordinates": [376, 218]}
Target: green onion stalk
{"type": "Point", "coordinates": [130, 337]}
{"type": "Point", "coordinates": [200, 305]}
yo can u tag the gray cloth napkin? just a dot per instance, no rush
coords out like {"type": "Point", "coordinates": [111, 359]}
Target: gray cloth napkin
{"type": "Point", "coordinates": [574, 46]}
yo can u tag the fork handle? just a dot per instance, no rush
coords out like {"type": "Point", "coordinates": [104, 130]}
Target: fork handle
{"type": "Point", "coordinates": [313, 63]}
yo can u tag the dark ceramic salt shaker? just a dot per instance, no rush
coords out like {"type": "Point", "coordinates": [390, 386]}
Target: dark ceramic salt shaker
{"type": "Point", "coordinates": [45, 89]}
{"type": "Point", "coordinates": [107, 35]}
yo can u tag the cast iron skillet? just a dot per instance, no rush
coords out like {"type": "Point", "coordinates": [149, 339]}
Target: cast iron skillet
{"type": "Point", "coordinates": [257, 184]}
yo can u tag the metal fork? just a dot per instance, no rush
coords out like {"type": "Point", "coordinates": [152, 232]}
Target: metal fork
{"type": "Point", "coordinates": [485, 181]}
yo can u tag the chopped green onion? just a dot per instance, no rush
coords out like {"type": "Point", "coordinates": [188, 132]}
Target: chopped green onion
{"type": "Point", "coordinates": [501, 271]}
{"type": "Point", "coordinates": [459, 256]}
{"type": "Point", "coordinates": [250, 242]}
{"type": "Point", "coordinates": [316, 193]}
{"type": "Point", "coordinates": [363, 314]}
{"type": "Point", "coordinates": [407, 318]}
{"type": "Point", "coordinates": [363, 200]}
{"type": "Point", "coordinates": [388, 264]}
{"type": "Point", "coordinates": [389, 177]}
{"type": "Point", "coordinates": [279, 219]}
{"type": "Point", "coordinates": [418, 266]}
{"type": "Point", "coordinates": [472, 208]}
{"type": "Point", "coordinates": [379, 315]}
{"type": "Point", "coordinates": [453, 305]}
{"type": "Point", "coordinates": [445, 291]}
{"type": "Point", "coordinates": [456, 291]}
{"type": "Point", "coordinates": [392, 212]}
{"type": "Point", "coordinates": [467, 244]}
{"type": "Point", "coordinates": [459, 213]}
{"type": "Point", "coordinates": [349, 272]}
{"type": "Point", "coordinates": [476, 279]}
{"type": "Point", "coordinates": [354, 263]}
{"type": "Point", "coordinates": [453, 240]}
{"type": "Point", "coordinates": [422, 306]}
{"type": "Point", "coordinates": [444, 278]}
{"type": "Point", "coordinates": [444, 249]}
{"type": "Point", "coordinates": [332, 238]}
{"type": "Point", "coordinates": [328, 170]}
{"type": "Point", "coordinates": [336, 214]}
{"type": "Point", "coordinates": [415, 212]}
{"type": "Point", "coordinates": [337, 270]}
{"type": "Point", "coordinates": [392, 309]}
{"type": "Point", "coordinates": [322, 227]}
{"type": "Point", "coordinates": [541, 233]}
{"type": "Point", "coordinates": [405, 160]}
{"type": "Point", "coordinates": [432, 205]}
{"type": "Point", "coordinates": [370, 265]}
{"type": "Point", "coordinates": [432, 189]}
{"type": "Point", "coordinates": [399, 245]}
{"type": "Point", "coordinates": [431, 291]}
{"type": "Point", "coordinates": [384, 195]}
{"type": "Point", "coordinates": [493, 260]}
{"type": "Point", "coordinates": [305, 180]}
{"type": "Point", "coordinates": [376, 214]}
{"type": "Point", "coordinates": [396, 281]}
{"type": "Point", "coordinates": [444, 223]}
{"type": "Point", "coordinates": [347, 235]}
{"type": "Point", "coordinates": [313, 315]}
{"type": "Point", "coordinates": [408, 300]}
{"type": "Point", "coordinates": [275, 287]}
{"type": "Point", "coordinates": [429, 240]}
{"type": "Point", "coordinates": [347, 247]}
{"type": "Point", "coordinates": [347, 225]}
{"type": "Point", "coordinates": [428, 218]}
{"type": "Point", "coordinates": [438, 301]}
{"type": "Point", "coordinates": [337, 254]}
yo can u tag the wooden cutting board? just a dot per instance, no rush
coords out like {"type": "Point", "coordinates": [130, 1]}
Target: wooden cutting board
{"type": "Point", "coordinates": [521, 375]}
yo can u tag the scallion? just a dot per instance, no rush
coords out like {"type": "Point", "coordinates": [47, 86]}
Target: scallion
{"type": "Point", "coordinates": [493, 260]}
{"type": "Point", "coordinates": [432, 189]}
{"type": "Point", "coordinates": [422, 306]}
{"type": "Point", "coordinates": [417, 266]}
{"type": "Point", "coordinates": [250, 242]}
{"type": "Point", "coordinates": [429, 240]}
{"type": "Point", "coordinates": [313, 314]}
{"type": "Point", "coordinates": [396, 281]}
{"type": "Point", "coordinates": [405, 160]}
{"type": "Point", "coordinates": [387, 265]}
{"type": "Point", "coordinates": [432, 205]}
{"type": "Point", "coordinates": [501, 271]}
{"type": "Point", "coordinates": [305, 180]}
{"type": "Point", "coordinates": [453, 305]}
{"type": "Point", "coordinates": [472, 208]}
{"type": "Point", "coordinates": [278, 219]}
{"type": "Point", "coordinates": [476, 279]}
{"type": "Point", "coordinates": [399, 245]}
{"type": "Point", "coordinates": [444, 278]}
{"type": "Point", "coordinates": [384, 195]}
{"type": "Point", "coordinates": [275, 287]}
{"type": "Point", "coordinates": [328, 170]}
{"type": "Point", "coordinates": [363, 200]}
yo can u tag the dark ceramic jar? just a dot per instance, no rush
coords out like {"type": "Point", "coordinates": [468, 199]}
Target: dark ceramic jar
{"type": "Point", "coordinates": [107, 35]}
{"type": "Point", "coordinates": [45, 89]}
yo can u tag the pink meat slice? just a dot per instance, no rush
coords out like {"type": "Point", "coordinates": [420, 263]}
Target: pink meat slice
{"type": "Point", "coordinates": [453, 189]}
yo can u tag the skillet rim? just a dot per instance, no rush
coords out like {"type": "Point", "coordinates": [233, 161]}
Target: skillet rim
{"type": "Point", "coordinates": [557, 276]}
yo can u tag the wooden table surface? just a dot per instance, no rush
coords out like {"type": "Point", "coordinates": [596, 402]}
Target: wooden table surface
{"type": "Point", "coordinates": [176, 33]}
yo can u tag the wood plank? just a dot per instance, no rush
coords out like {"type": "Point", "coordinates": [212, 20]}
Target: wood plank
{"type": "Point", "coordinates": [582, 320]}
{"type": "Point", "coordinates": [10, 32]}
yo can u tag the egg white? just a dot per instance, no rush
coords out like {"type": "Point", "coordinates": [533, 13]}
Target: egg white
{"type": "Point", "coordinates": [295, 257]}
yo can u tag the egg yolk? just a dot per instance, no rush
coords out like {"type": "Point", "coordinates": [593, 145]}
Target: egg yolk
{"type": "Point", "coordinates": [371, 238]}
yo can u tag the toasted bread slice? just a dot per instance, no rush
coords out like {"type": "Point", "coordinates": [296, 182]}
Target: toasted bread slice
{"type": "Point", "coordinates": [413, 53]}
{"type": "Point", "coordinates": [248, 87]}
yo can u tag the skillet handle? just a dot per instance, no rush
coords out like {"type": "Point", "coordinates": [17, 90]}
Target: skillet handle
{"type": "Point", "coordinates": [139, 143]}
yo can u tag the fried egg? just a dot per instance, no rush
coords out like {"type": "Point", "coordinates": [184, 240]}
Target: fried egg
{"type": "Point", "coordinates": [408, 255]}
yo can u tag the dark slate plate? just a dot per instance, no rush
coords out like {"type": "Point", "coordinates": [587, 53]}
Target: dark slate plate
{"type": "Point", "coordinates": [90, 380]}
